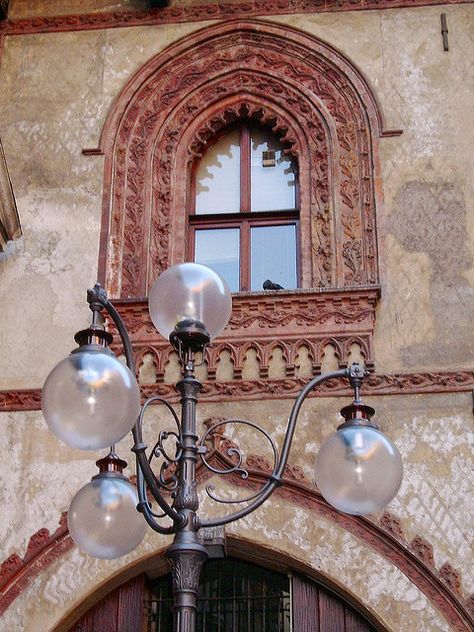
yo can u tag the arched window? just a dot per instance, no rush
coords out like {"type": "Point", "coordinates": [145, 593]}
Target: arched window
{"type": "Point", "coordinates": [244, 223]}
{"type": "Point", "coordinates": [234, 596]}
{"type": "Point", "coordinates": [201, 150]}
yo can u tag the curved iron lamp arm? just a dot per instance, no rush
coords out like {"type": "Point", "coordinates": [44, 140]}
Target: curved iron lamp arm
{"type": "Point", "coordinates": [139, 447]}
{"type": "Point", "coordinates": [275, 478]}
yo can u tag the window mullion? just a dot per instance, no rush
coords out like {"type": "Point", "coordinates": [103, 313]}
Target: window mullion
{"type": "Point", "coordinates": [245, 256]}
{"type": "Point", "coordinates": [245, 184]}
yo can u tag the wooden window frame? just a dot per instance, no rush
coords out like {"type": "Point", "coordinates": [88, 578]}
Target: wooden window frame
{"type": "Point", "coordinates": [245, 219]}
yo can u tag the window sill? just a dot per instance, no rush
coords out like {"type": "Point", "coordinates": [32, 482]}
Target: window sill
{"type": "Point", "coordinates": [271, 336]}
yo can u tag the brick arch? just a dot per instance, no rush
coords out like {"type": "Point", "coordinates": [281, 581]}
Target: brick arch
{"type": "Point", "coordinates": [441, 586]}
{"type": "Point", "coordinates": [312, 96]}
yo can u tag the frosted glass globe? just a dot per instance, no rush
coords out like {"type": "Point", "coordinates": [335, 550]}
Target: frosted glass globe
{"type": "Point", "coordinates": [90, 400]}
{"type": "Point", "coordinates": [358, 470]}
{"type": "Point", "coordinates": [103, 520]}
{"type": "Point", "coordinates": [190, 291]}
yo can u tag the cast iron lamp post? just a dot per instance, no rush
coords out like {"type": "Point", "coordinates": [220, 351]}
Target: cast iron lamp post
{"type": "Point", "coordinates": [91, 400]}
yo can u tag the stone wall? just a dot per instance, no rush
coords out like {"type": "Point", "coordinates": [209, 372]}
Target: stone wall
{"type": "Point", "coordinates": [56, 90]}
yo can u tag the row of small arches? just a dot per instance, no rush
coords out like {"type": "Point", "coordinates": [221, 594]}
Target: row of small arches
{"type": "Point", "coordinates": [224, 364]}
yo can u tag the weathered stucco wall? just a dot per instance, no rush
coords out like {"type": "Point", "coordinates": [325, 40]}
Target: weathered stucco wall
{"type": "Point", "coordinates": [39, 477]}
{"type": "Point", "coordinates": [56, 91]}
{"type": "Point", "coordinates": [426, 232]}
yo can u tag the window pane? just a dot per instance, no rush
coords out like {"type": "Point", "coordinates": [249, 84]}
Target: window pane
{"type": "Point", "coordinates": [273, 186]}
{"type": "Point", "coordinates": [219, 248]}
{"type": "Point", "coordinates": [218, 177]}
{"type": "Point", "coordinates": [273, 256]}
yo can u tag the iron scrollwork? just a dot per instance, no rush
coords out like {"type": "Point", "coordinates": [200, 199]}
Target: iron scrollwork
{"type": "Point", "coordinates": [233, 452]}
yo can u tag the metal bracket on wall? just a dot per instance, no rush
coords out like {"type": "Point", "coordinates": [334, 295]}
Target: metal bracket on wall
{"type": "Point", "coordinates": [444, 32]}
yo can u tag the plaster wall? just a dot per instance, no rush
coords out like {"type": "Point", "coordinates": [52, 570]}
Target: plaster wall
{"type": "Point", "coordinates": [56, 91]}
{"type": "Point", "coordinates": [39, 477]}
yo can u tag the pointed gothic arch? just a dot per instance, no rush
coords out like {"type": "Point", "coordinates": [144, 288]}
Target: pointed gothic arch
{"type": "Point", "coordinates": [315, 100]}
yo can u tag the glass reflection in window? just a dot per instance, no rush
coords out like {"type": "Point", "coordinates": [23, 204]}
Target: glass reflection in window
{"type": "Point", "coordinates": [273, 257]}
{"type": "Point", "coordinates": [272, 176]}
{"type": "Point", "coordinates": [218, 177]}
{"type": "Point", "coordinates": [219, 249]}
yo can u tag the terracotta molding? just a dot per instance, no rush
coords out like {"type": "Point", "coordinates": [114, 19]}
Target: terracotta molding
{"type": "Point", "coordinates": [17, 573]}
{"type": "Point", "coordinates": [375, 385]}
{"type": "Point", "coordinates": [442, 587]}
{"type": "Point", "coordinates": [201, 12]}
{"type": "Point", "coordinates": [385, 535]}
{"type": "Point", "coordinates": [308, 93]}
{"type": "Point", "coordinates": [20, 399]}
{"type": "Point", "coordinates": [283, 322]}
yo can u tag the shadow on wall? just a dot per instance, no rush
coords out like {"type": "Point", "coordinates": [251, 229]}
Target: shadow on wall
{"type": "Point", "coordinates": [431, 218]}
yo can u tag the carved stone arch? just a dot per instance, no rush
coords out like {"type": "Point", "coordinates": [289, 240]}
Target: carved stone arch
{"type": "Point", "coordinates": [337, 346]}
{"type": "Point", "coordinates": [306, 343]}
{"type": "Point", "coordinates": [358, 341]}
{"type": "Point", "coordinates": [310, 94]}
{"type": "Point", "coordinates": [214, 355]}
{"type": "Point", "coordinates": [244, 348]}
{"type": "Point", "coordinates": [270, 349]}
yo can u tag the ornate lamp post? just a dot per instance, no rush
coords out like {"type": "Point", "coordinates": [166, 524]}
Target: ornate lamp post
{"type": "Point", "coordinates": [91, 400]}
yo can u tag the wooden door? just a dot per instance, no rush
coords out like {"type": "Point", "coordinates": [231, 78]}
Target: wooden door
{"type": "Point", "coordinates": [120, 611]}
{"type": "Point", "coordinates": [316, 609]}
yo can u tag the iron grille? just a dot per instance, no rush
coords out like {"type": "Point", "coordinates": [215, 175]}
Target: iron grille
{"type": "Point", "coordinates": [233, 597]}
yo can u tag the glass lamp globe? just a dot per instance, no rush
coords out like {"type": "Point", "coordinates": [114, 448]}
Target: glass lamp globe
{"type": "Point", "coordinates": [190, 292]}
{"type": "Point", "coordinates": [358, 469]}
{"type": "Point", "coordinates": [90, 400]}
{"type": "Point", "coordinates": [103, 520]}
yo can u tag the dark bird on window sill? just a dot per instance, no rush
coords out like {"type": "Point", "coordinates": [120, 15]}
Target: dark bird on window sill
{"type": "Point", "coordinates": [269, 285]}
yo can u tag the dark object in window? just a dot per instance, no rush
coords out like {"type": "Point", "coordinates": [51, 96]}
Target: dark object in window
{"type": "Point", "coordinates": [158, 4]}
{"type": "Point", "coordinates": [269, 285]}
{"type": "Point", "coordinates": [268, 158]}
{"type": "Point", "coordinates": [4, 9]}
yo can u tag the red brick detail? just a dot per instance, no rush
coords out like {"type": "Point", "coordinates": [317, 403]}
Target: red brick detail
{"type": "Point", "coordinates": [20, 399]}
{"type": "Point", "coordinates": [377, 384]}
{"type": "Point", "coordinates": [199, 12]}
{"type": "Point", "coordinates": [442, 588]}
{"type": "Point", "coordinates": [17, 573]}
{"type": "Point", "coordinates": [452, 577]}
{"type": "Point", "coordinates": [423, 550]}
{"type": "Point", "coordinates": [393, 525]}
{"type": "Point", "coordinates": [470, 605]}
{"type": "Point", "coordinates": [306, 91]}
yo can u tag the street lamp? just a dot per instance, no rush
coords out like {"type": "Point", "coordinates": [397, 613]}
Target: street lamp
{"type": "Point", "coordinates": [91, 400]}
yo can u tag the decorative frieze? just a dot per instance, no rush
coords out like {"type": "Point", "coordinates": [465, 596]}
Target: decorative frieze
{"type": "Point", "coordinates": [16, 400]}
{"type": "Point", "coordinates": [199, 12]}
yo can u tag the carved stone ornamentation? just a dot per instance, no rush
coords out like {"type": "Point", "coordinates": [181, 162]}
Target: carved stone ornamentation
{"type": "Point", "coordinates": [422, 549]}
{"type": "Point", "coordinates": [393, 525]}
{"type": "Point", "coordinates": [452, 577]}
{"type": "Point", "coordinates": [17, 573]}
{"type": "Point", "coordinates": [470, 605]}
{"type": "Point", "coordinates": [305, 91]}
{"type": "Point", "coordinates": [376, 384]}
{"type": "Point", "coordinates": [198, 12]}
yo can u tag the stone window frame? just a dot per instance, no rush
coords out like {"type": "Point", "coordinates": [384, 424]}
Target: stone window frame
{"type": "Point", "coordinates": [324, 111]}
